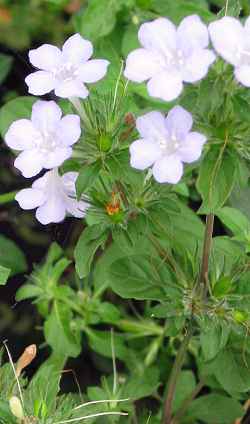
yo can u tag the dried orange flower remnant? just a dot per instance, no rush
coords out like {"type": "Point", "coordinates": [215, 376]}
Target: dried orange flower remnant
{"type": "Point", "coordinates": [113, 207]}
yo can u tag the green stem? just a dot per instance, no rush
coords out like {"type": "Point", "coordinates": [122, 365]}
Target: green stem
{"type": "Point", "coordinates": [207, 246]}
{"type": "Point", "coordinates": [7, 197]}
{"type": "Point", "coordinates": [167, 414]}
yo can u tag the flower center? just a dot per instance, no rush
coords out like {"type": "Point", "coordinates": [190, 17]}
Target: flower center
{"type": "Point", "coordinates": [46, 142]}
{"type": "Point", "coordinates": [66, 72]}
{"type": "Point", "coordinates": [169, 145]}
{"type": "Point", "coordinates": [174, 59]}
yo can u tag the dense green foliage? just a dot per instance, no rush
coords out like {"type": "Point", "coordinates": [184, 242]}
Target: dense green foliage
{"type": "Point", "coordinates": [125, 287]}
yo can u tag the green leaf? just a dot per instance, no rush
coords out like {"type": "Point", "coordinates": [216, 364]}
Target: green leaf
{"type": "Point", "coordinates": [231, 371]}
{"type": "Point", "coordinates": [28, 291]}
{"type": "Point", "coordinates": [11, 256]}
{"type": "Point", "coordinates": [88, 243]}
{"type": "Point", "coordinates": [185, 385]}
{"type": "Point", "coordinates": [58, 332]}
{"type": "Point", "coordinates": [112, 253]}
{"type": "Point", "coordinates": [5, 413]}
{"type": "Point", "coordinates": [234, 220]}
{"type": "Point", "coordinates": [97, 19]}
{"type": "Point", "coordinates": [5, 65]}
{"type": "Point", "coordinates": [45, 384]}
{"type": "Point", "coordinates": [215, 408]}
{"type": "Point", "coordinates": [100, 342]}
{"type": "Point", "coordinates": [4, 275]}
{"type": "Point", "coordinates": [216, 178]}
{"type": "Point", "coordinates": [232, 8]}
{"type": "Point", "coordinates": [226, 253]}
{"type": "Point", "coordinates": [15, 109]}
{"type": "Point", "coordinates": [222, 287]}
{"type": "Point", "coordinates": [177, 10]}
{"type": "Point", "coordinates": [130, 40]}
{"type": "Point", "coordinates": [108, 312]}
{"type": "Point", "coordinates": [214, 336]}
{"type": "Point", "coordinates": [139, 277]}
{"type": "Point", "coordinates": [59, 268]}
{"type": "Point", "coordinates": [142, 384]}
{"type": "Point", "coordinates": [87, 177]}
{"type": "Point", "coordinates": [241, 107]}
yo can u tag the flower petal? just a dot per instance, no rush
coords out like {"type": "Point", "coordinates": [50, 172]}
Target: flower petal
{"type": "Point", "coordinates": [191, 147]}
{"type": "Point", "coordinates": [142, 64]}
{"type": "Point", "coordinates": [179, 122]}
{"type": "Point", "coordinates": [169, 169]}
{"type": "Point", "coordinates": [69, 181]}
{"type": "Point", "coordinates": [53, 210]}
{"type": "Point", "coordinates": [21, 135]}
{"type": "Point", "coordinates": [159, 35]}
{"type": "Point", "coordinates": [71, 89]}
{"type": "Point", "coordinates": [41, 182]}
{"type": "Point", "coordinates": [57, 157]}
{"type": "Point", "coordinates": [77, 50]}
{"type": "Point", "coordinates": [143, 153]}
{"type": "Point", "coordinates": [192, 34]}
{"type": "Point", "coordinates": [197, 65]}
{"type": "Point", "coordinates": [227, 36]}
{"type": "Point", "coordinates": [29, 162]}
{"type": "Point", "coordinates": [166, 86]}
{"type": "Point", "coordinates": [29, 198]}
{"type": "Point", "coordinates": [242, 74]}
{"type": "Point", "coordinates": [75, 208]}
{"type": "Point", "coordinates": [152, 126]}
{"type": "Point", "coordinates": [40, 82]}
{"type": "Point", "coordinates": [93, 70]}
{"type": "Point", "coordinates": [46, 57]}
{"type": "Point", "coordinates": [46, 115]}
{"type": "Point", "coordinates": [69, 130]}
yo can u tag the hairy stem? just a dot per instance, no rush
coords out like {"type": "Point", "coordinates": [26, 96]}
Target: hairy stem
{"type": "Point", "coordinates": [207, 245]}
{"type": "Point", "coordinates": [175, 374]}
{"type": "Point", "coordinates": [206, 253]}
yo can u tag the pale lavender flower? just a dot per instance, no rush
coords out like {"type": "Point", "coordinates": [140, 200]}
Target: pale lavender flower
{"type": "Point", "coordinates": [66, 71]}
{"type": "Point", "coordinates": [45, 140]}
{"type": "Point", "coordinates": [165, 143]}
{"type": "Point", "coordinates": [54, 196]}
{"type": "Point", "coordinates": [170, 56]}
{"type": "Point", "coordinates": [232, 41]}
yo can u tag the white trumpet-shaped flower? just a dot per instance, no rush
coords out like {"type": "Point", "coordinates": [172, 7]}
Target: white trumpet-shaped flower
{"type": "Point", "coordinates": [45, 140]}
{"type": "Point", "coordinates": [170, 56]}
{"type": "Point", "coordinates": [165, 144]}
{"type": "Point", "coordinates": [231, 40]}
{"type": "Point", "coordinates": [54, 196]}
{"type": "Point", "coordinates": [66, 71]}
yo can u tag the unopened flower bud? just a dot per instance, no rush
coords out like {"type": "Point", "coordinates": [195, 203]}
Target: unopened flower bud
{"type": "Point", "coordinates": [26, 358]}
{"type": "Point", "coordinates": [16, 407]}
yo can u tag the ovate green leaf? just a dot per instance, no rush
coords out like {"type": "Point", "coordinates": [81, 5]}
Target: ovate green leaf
{"type": "Point", "coordinates": [216, 178]}
{"type": "Point", "coordinates": [18, 108]}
